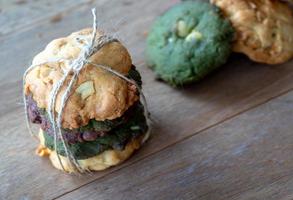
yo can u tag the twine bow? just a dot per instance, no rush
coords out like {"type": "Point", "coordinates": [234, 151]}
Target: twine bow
{"type": "Point", "coordinates": [74, 68]}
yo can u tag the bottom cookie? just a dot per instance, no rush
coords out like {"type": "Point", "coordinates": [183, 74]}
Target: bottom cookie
{"type": "Point", "coordinates": [99, 162]}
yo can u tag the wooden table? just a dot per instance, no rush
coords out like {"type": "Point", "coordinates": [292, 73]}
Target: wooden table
{"type": "Point", "coordinates": [228, 137]}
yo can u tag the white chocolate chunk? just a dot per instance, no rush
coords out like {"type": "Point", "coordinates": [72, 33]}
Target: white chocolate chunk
{"type": "Point", "coordinates": [86, 89]}
{"type": "Point", "coordinates": [194, 35]}
{"type": "Point", "coordinates": [182, 29]}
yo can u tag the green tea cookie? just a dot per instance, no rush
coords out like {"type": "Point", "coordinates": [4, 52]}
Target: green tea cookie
{"type": "Point", "coordinates": [187, 42]}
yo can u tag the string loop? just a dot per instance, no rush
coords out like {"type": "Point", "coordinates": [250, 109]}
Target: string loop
{"type": "Point", "coordinates": [75, 67]}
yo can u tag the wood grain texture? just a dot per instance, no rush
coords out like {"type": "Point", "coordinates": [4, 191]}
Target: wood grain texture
{"type": "Point", "coordinates": [248, 157]}
{"type": "Point", "coordinates": [35, 177]}
{"type": "Point", "coordinates": [19, 15]}
{"type": "Point", "coordinates": [238, 86]}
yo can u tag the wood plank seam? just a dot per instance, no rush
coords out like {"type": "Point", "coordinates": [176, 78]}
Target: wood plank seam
{"type": "Point", "coordinates": [181, 140]}
{"type": "Point", "coordinates": [235, 160]}
{"type": "Point", "coordinates": [211, 106]}
{"type": "Point", "coordinates": [261, 188]}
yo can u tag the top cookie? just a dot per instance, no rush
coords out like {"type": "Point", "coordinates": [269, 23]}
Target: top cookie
{"type": "Point", "coordinates": [188, 42]}
{"type": "Point", "coordinates": [264, 28]}
{"type": "Point", "coordinates": [97, 94]}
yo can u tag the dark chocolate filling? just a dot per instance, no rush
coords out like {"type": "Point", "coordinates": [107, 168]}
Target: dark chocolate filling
{"type": "Point", "coordinates": [117, 138]}
{"type": "Point", "coordinates": [90, 132]}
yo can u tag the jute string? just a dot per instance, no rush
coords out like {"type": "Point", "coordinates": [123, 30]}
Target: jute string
{"type": "Point", "coordinates": [73, 70]}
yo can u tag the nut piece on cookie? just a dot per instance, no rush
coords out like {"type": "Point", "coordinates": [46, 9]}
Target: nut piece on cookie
{"type": "Point", "coordinates": [264, 28]}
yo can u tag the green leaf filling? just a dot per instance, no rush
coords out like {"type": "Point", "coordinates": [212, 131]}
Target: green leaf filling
{"type": "Point", "coordinates": [117, 138]}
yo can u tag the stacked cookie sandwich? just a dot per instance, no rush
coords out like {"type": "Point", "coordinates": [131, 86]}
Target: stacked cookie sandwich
{"type": "Point", "coordinates": [103, 120]}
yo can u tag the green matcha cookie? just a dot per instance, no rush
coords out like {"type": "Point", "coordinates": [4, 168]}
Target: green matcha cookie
{"type": "Point", "coordinates": [187, 42]}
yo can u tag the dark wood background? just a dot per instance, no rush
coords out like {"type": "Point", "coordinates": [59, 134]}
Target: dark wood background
{"type": "Point", "coordinates": [228, 137]}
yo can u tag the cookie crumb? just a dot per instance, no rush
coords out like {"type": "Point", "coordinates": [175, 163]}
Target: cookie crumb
{"type": "Point", "coordinates": [56, 18]}
{"type": "Point", "coordinates": [145, 33]}
{"type": "Point", "coordinates": [19, 2]}
{"type": "Point", "coordinates": [40, 35]}
{"type": "Point", "coordinates": [127, 3]}
{"type": "Point", "coordinates": [91, 2]}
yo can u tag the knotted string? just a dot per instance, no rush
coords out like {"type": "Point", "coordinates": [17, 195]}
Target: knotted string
{"type": "Point", "coordinates": [74, 68]}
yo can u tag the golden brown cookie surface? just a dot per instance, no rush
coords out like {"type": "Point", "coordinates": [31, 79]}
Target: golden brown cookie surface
{"type": "Point", "coordinates": [264, 28]}
{"type": "Point", "coordinates": [97, 94]}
